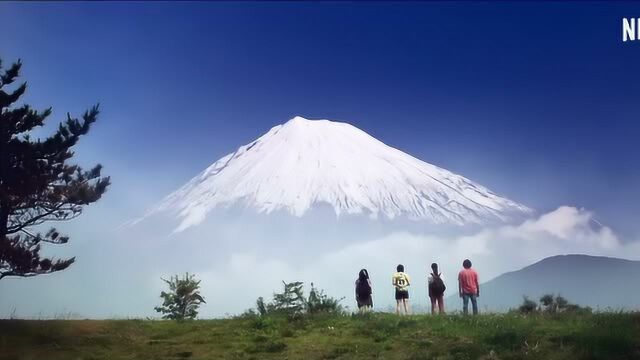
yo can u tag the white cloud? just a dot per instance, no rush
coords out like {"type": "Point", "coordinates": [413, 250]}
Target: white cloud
{"type": "Point", "coordinates": [239, 260]}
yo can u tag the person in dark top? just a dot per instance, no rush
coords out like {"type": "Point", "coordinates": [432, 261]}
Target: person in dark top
{"type": "Point", "coordinates": [436, 289]}
{"type": "Point", "coordinates": [364, 292]}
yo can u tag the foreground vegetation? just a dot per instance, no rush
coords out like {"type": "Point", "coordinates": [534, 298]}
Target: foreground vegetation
{"type": "Point", "coordinates": [386, 336]}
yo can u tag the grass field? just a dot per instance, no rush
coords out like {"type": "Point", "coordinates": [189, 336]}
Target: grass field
{"type": "Point", "coordinates": [384, 336]}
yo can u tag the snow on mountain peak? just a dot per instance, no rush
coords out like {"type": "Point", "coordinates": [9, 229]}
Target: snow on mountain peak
{"type": "Point", "coordinates": [304, 163]}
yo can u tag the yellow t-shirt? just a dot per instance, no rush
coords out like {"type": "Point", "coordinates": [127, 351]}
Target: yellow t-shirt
{"type": "Point", "coordinates": [401, 281]}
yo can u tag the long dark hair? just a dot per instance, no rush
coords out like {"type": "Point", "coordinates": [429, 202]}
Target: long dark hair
{"type": "Point", "coordinates": [363, 275]}
{"type": "Point", "coordinates": [434, 268]}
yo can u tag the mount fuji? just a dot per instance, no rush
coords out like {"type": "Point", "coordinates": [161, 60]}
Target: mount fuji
{"type": "Point", "coordinates": [303, 163]}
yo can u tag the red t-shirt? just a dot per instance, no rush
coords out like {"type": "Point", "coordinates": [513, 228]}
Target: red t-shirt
{"type": "Point", "coordinates": [468, 279]}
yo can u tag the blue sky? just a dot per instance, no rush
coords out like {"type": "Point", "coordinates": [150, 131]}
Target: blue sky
{"type": "Point", "coordinates": [537, 101]}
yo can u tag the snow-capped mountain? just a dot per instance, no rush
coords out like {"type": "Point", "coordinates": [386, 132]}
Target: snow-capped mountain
{"type": "Point", "coordinates": [304, 163]}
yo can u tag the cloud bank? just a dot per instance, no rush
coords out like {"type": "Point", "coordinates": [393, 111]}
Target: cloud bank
{"type": "Point", "coordinates": [118, 275]}
{"type": "Point", "coordinates": [493, 251]}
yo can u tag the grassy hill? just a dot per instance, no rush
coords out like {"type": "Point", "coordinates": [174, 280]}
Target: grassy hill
{"type": "Point", "coordinates": [384, 336]}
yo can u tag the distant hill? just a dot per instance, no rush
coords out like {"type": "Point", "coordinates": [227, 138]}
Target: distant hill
{"type": "Point", "coordinates": [596, 281]}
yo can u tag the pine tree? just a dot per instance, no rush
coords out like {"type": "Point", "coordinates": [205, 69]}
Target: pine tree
{"type": "Point", "coordinates": [183, 299]}
{"type": "Point", "coordinates": [37, 183]}
{"type": "Point", "coordinates": [291, 301]}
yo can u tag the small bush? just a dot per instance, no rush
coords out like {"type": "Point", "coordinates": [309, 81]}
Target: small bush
{"type": "Point", "coordinates": [182, 300]}
{"type": "Point", "coordinates": [550, 304]}
{"type": "Point", "coordinates": [261, 323]}
{"type": "Point", "coordinates": [319, 302]}
{"type": "Point", "coordinates": [261, 306]}
{"type": "Point", "coordinates": [528, 306]}
{"type": "Point", "coordinates": [293, 303]}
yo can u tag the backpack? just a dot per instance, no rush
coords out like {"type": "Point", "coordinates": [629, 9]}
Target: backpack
{"type": "Point", "coordinates": [363, 289]}
{"type": "Point", "coordinates": [437, 285]}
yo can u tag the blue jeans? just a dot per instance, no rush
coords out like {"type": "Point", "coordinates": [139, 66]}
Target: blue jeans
{"type": "Point", "coordinates": [465, 303]}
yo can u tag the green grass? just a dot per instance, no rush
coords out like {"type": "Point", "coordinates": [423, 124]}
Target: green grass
{"type": "Point", "coordinates": [383, 336]}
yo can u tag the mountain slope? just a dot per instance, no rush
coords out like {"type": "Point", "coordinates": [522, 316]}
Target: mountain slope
{"type": "Point", "coordinates": [594, 281]}
{"type": "Point", "coordinates": [304, 163]}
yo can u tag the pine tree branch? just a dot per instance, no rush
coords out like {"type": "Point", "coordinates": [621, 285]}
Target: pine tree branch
{"type": "Point", "coordinates": [13, 273]}
{"type": "Point", "coordinates": [37, 184]}
{"type": "Point", "coordinates": [11, 74]}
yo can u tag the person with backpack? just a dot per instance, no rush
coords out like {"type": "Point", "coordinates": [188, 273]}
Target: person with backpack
{"type": "Point", "coordinates": [436, 289]}
{"type": "Point", "coordinates": [468, 287]}
{"type": "Point", "coordinates": [363, 292]}
{"type": "Point", "coordinates": [401, 283]}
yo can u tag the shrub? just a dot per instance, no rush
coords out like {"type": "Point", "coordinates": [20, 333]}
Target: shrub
{"type": "Point", "coordinates": [261, 306]}
{"type": "Point", "coordinates": [551, 305]}
{"type": "Point", "coordinates": [182, 300]}
{"type": "Point", "coordinates": [546, 300]}
{"type": "Point", "coordinates": [319, 302]}
{"type": "Point", "coordinates": [293, 302]}
{"type": "Point", "coordinates": [528, 306]}
{"type": "Point", "coordinates": [561, 302]}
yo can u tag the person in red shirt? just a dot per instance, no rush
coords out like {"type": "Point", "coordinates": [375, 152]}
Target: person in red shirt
{"type": "Point", "coordinates": [468, 287]}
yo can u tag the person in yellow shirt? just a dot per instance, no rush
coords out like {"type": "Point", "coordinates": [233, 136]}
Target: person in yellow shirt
{"type": "Point", "coordinates": [401, 282]}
